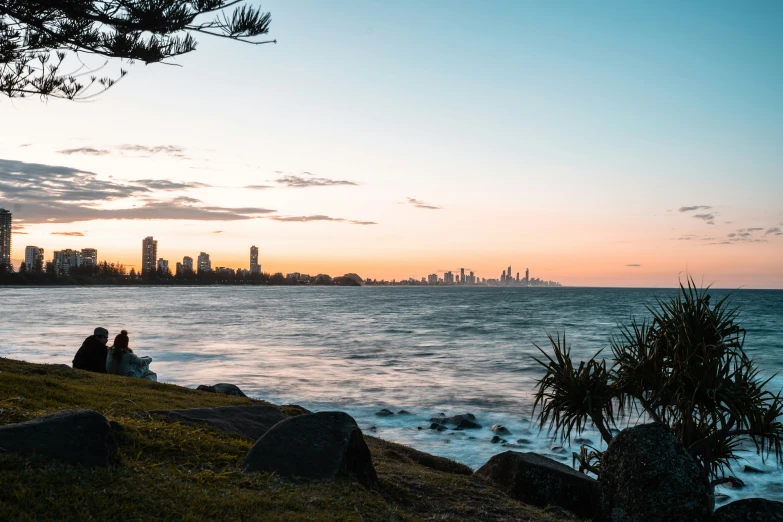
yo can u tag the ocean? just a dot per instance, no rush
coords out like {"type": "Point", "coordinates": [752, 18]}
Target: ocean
{"type": "Point", "coordinates": [427, 350]}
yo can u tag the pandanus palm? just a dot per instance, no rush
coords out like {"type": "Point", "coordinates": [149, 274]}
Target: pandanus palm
{"type": "Point", "coordinates": [684, 367]}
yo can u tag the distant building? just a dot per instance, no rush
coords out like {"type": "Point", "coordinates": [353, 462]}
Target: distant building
{"type": "Point", "coordinates": [89, 257]}
{"type": "Point", "coordinates": [462, 276]}
{"type": "Point", "coordinates": [432, 279]}
{"type": "Point", "coordinates": [517, 277]}
{"type": "Point", "coordinates": [65, 260]}
{"type": "Point", "coordinates": [472, 279]}
{"type": "Point", "coordinates": [503, 277]}
{"type": "Point", "coordinates": [163, 266]}
{"type": "Point", "coordinates": [180, 270]}
{"type": "Point", "coordinates": [5, 237]}
{"type": "Point", "coordinates": [149, 255]}
{"type": "Point", "coordinates": [33, 257]}
{"type": "Point", "coordinates": [204, 264]}
{"type": "Point", "coordinates": [255, 268]}
{"type": "Point", "coordinates": [225, 272]}
{"type": "Point", "coordinates": [293, 275]}
{"type": "Point", "coordinates": [527, 276]}
{"type": "Point", "coordinates": [187, 264]}
{"type": "Point", "coordinates": [448, 278]}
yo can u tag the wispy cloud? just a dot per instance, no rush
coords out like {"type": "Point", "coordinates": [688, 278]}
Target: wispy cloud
{"type": "Point", "coordinates": [421, 204]}
{"type": "Point", "coordinates": [773, 231]}
{"type": "Point", "coordinates": [708, 218]}
{"type": "Point", "coordinates": [217, 231]}
{"type": "Point", "coordinates": [306, 179]}
{"type": "Point", "coordinates": [258, 187]}
{"type": "Point", "coordinates": [54, 194]}
{"type": "Point", "coordinates": [87, 151]}
{"type": "Point", "coordinates": [164, 184]}
{"type": "Point", "coordinates": [318, 217]}
{"type": "Point", "coordinates": [695, 207]}
{"type": "Point", "coordinates": [74, 234]}
{"type": "Point", "coordinates": [634, 265]}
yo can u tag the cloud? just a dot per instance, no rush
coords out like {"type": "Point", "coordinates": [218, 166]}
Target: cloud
{"type": "Point", "coordinates": [74, 234]}
{"type": "Point", "coordinates": [421, 204]}
{"type": "Point", "coordinates": [705, 217]}
{"type": "Point", "coordinates": [689, 237]}
{"type": "Point", "coordinates": [308, 180]}
{"type": "Point", "coordinates": [634, 265]}
{"type": "Point", "coordinates": [88, 151]}
{"type": "Point", "coordinates": [774, 231]}
{"type": "Point", "coordinates": [318, 217]}
{"type": "Point", "coordinates": [258, 187]}
{"type": "Point", "coordinates": [217, 231]}
{"type": "Point", "coordinates": [695, 207]}
{"type": "Point", "coordinates": [145, 150]}
{"type": "Point", "coordinates": [754, 229]}
{"type": "Point", "coordinates": [164, 184]}
{"type": "Point", "coordinates": [54, 194]}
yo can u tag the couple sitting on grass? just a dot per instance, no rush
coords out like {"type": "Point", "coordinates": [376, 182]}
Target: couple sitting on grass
{"type": "Point", "coordinates": [95, 356]}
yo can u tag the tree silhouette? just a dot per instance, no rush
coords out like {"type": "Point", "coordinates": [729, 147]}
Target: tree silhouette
{"type": "Point", "coordinates": [36, 36]}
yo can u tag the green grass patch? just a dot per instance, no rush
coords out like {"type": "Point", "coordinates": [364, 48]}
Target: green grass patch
{"type": "Point", "coordinates": [178, 471]}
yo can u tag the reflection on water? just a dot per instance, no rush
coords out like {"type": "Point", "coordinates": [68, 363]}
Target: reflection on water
{"type": "Point", "coordinates": [426, 350]}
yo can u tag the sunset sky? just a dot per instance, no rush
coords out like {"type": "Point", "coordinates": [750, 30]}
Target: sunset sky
{"type": "Point", "coordinates": [596, 143]}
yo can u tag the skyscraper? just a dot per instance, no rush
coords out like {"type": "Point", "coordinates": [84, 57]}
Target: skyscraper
{"type": "Point", "coordinates": [66, 259]}
{"type": "Point", "coordinates": [509, 275]}
{"type": "Point", "coordinates": [33, 258]}
{"type": "Point", "coordinates": [255, 268]}
{"type": "Point", "coordinates": [163, 266]}
{"type": "Point", "coordinates": [149, 255]}
{"type": "Point", "coordinates": [527, 276]}
{"type": "Point", "coordinates": [204, 264]}
{"type": "Point", "coordinates": [5, 237]}
{"type": "Point", "coordinates": [89, 257]}
{"type": "Point", "coordinates": [187, 264]}
{"type": "Point", "coordinates": [462, 276]}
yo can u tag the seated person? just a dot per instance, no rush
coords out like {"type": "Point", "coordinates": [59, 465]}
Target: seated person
{"type": "Point", "coordinates": [122, 361]}
{"type": "Point", "coordinates": [92, 355]}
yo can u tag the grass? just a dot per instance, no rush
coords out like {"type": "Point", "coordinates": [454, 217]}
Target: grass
{"type": "Point", "coordinates": [172, 471]}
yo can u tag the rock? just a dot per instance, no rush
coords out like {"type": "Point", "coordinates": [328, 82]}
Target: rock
{"type": "Point", "coordinates": [249, 421]}
{"type": "Point", "coordinates": [456, 419]}
{"type": "Point", "coordinates": [439, 427]}
{"type": "Point", "coordinates": [419, 428]}
{"type": "Point", "coordinates": [403, 412]}
{"type": "Point", "coordinates": [466, 424]}
{"type": "Point", "coordinates": [733, 483]}
{"type": "Point", "coordinates": [225, 388]}
{"type": "Point", "coordinates": [750, 510]}
{"type": "Point", "coordinates": [384, 413]}
{"type": "Point", "coordinates": [524, 441]}
{"type": "Point", "coordinates": [319, 446]}
{"type": "Point", "coordinates": [374, 429]}
{"type": "Point", "coordinates": [77, 436]}
{"type": "Point", "coordinates": [646, 474]}
{"type": "Point", "coordinates": [721, 498]}
{"type": "Point", "coordinates": [582, 440]}
{"type": "Point", "coordinates": [557, 449]}
{"type": "Point", "coordinates": [495, 439]}
{"type": "Point", "coordinates": [499, 430]}
{"type": "Point", "coordinates": [540, 481]}
{"type": "Point", "coordinates": [751, 469]}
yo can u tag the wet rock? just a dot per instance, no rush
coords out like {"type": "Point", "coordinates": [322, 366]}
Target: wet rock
{"type": "Point", "coordinates": [495, 439]}
{"type": "Point", "coordinates": [647, 474]}
{"type": "Point", "coordinates": [77, 436]}
{"type": "Point", "coordinates": [466, 424]}
{"type": "Point", "coordinates": [540, 481]}
{"type": "Point", "coordinates": [471, 438]}
{"type": "Point", "coordinates": [721, 498]}
{"type": "Point", "coordinates": [750, 510]}
{"type": "Point", "coordinates": [224, 388]}
{"type": "Point", "coordinates": [499, 430]}
{"type": "Point", "coordinates": [374, 429]}
{"type": "Point", "coordinates": [750, 469]}
{"type": "Point", "coordinates": [320, 445]}
{"type": "Point", "coordinates": [384, 413]}
{"type": "Point", "coordinates": [733, 483]}
{"type": "Point", "coordinates": [524, 441]}
{"type": "Point", "coordinates": [455, 419]}
{"type": "Point", "coordinates": [439, 427]}
{"type": "Point", "coordinates": [582, 440]}
{"type": "Point", "coordinates": [419, 428]}
{"type": "Point", "coordinates": [249, 421]}
{"type": "Point", "coordinates": [557, 449]}
{"type": "Point", "coordinates": [403, 412]}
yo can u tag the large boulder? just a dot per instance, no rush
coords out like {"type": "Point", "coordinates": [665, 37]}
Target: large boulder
{"type": "Point", "coordinates": [222, 387]}
{"type": "Point", "coordinates": [537, 480]}
{"type": "Point", "coordinates": [750, 510]}
{"type": "Point", "coordinates": [320, 445]}
{"type": "Point", "coordinates": [77, 436]}
{"type": "Point", "coordinates": [251, 421]}
{"type": "Point", "coordinates": [647, 475]}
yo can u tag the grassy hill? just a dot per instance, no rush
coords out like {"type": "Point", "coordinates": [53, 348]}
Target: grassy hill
{"type": "Point", "coordinates": [164, 470]}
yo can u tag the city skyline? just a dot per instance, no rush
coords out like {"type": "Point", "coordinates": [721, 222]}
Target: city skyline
{"type": "Point", "coordinates": [606, 145]}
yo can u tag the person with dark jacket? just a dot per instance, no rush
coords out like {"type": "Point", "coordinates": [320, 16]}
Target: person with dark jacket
{"type": "Point", "coordinates": [92, 355]}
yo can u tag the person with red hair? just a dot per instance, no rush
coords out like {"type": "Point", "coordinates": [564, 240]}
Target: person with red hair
{"type": "Point", "coordinates": [122, 361]}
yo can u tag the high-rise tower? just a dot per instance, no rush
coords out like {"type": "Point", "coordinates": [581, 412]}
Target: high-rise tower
{"type": "Point", "coordinates": [34, 258]}
{"type": "Point", "coordinates": [149, 255]}
{"type": "Point", "coordinates": [255, 268]}
{"type": "Point", "coordinates": [527, 275]}
{"type": "Point", "coordinates": [5, 237]}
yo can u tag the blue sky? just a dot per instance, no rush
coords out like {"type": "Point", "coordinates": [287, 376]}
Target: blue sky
{"type": "Point", "coordinates": [563, 135]}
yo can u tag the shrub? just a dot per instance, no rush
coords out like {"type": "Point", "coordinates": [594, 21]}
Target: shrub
{"type": "Point", "coordinates": [684, 367]}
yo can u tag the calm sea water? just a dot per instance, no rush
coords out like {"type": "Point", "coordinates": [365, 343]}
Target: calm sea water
{"type": "Point", "coordinates": [423, 349]}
